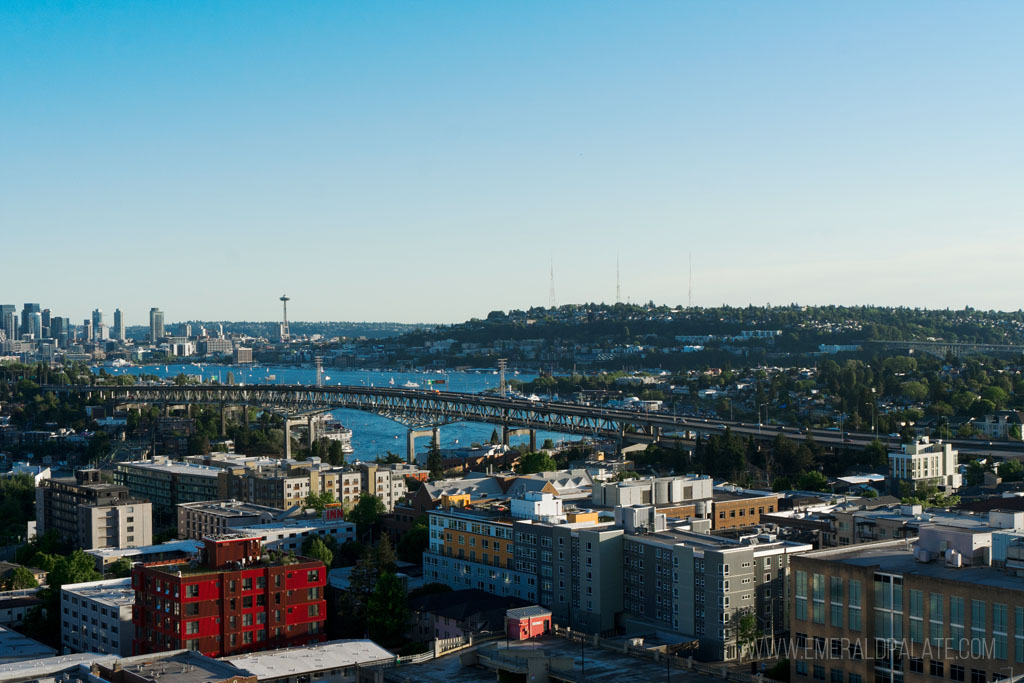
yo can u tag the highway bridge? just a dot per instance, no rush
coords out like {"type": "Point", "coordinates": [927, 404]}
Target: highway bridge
{"type": "Point", "coordinates": [423, 412]}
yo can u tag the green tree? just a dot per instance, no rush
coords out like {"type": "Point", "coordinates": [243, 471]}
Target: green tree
{"type": "Point", "coordinates": [387, 610]}
{"type": "Point", "coordinates": [548, 445]}
{"type": "Point", "coordinates": [747, 633]}
{"type": "Point", "coordinates": [413, 543]}
{"type": "Point", "coordinates": [435, 463]}
{"type": "Point", "coordinates": [1011, 470]}
{"type": "Point", "coordinates": [121, 568]}
{"type": "Point", "coordinates": [367, 510]}
{"type": "Point", "coordinates": [495, 439]}
{"type": "Point", "coordinates": [77, 567]}
{"type": "Point", "coordinates": [336, 453]}
{"type": "Point", "coordinates": [532, 463]}
{"type": "Point", "coordinates": [812, 481]}
{"type": "Point", "coordinates": [781, 484]}
{"type": "Point", "coordinates": [19, 579]}
{"type": "Point", "coordinates": [318, 550]}
{"type": "Point", "coordinates": [318, 501]}
{"type": "Point", "coordinates": [386, 560]}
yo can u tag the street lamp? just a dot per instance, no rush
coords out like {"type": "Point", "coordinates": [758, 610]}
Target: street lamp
{"type": "Point", "coordinates": [874, 417]}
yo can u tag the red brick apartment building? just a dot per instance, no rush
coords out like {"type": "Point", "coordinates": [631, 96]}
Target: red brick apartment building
{"type": "Point", "coordinates": [238, 600]}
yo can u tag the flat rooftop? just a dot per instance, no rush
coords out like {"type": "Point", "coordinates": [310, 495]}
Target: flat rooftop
{"type": "Point", "coordinates": [168, 547]}
{"type": "Point", "coordinates": [15, 647]}
{"type": "Point", "coordinates": [175, 468]}
{"type": "Point", "coordinates": [898, 558]}
{"type": "Point", "coordinates": [601, 665]}
{"type": "Point", "coordinates": [231, 508]}
{"type": "Point", "coordinates": [296, 661]}
{"type": "Point", "coordinates": [182, 666]}
{"type": "Point", "coordinates": [112, 592]}
{"type": "Point", "coordinates": [48, 667]}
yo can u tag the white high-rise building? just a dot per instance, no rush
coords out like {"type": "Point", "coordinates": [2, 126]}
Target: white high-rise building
{"type": "Point", "coordinates": [923, 461]}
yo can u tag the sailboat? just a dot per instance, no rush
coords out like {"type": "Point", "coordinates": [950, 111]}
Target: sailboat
{"type": "Point", "coordinates": [391, 381]}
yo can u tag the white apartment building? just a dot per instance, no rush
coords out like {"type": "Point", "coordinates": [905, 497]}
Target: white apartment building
{"type": "Point", "coordinates": [289, 534]}
{"type": "Point", "coordinates": [97, 617]}
{"type": "Point", "coordinates": [923, 461]}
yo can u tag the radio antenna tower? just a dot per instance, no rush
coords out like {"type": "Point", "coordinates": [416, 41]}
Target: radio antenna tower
{"type": "Point", "coordinates": [618, 288]}
{"type": "Point", "coordinates": [689, 293]}
{"type": "Point", "coordinates": [551, 292]}
{"type": "Point", "coordinates": [284, 325]}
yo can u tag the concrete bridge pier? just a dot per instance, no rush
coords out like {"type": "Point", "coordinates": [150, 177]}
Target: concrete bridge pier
{"type": "Point", "coordinates": [414, 434]}
{"type": "Point", "coordinates": [507, 433]}
{"type": "Point", "coordinates": [223, 420]}
{"type": "Point", "coordinates": [288, 423]}
{"type": "Point", "coordinates": [311, 423]}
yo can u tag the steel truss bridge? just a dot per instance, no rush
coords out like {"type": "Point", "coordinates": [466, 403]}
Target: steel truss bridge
{"type": "Point", "coordinates": [421, 411]}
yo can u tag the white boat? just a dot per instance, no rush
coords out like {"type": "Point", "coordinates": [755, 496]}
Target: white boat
{"type": "Point", "coordinates": [411, 385]}
{"type": "Point", "coordinates": [391, 381]}
{"type": "Point", "coordinates": [328, 427]}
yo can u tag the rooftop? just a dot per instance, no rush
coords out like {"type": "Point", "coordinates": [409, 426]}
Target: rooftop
{"type": "Point", "coordinates": [897, 557]}
{"type": "Point", "coordinates": [296, 661]}
{"type": "Point", "coordinates": [174, 468]}
{"type": "Point", "coordinates": [188, 547]}
{"type": "Point", "coordinates": [112, 592]}
{"type": "Point", "coordinates": [15, 647]}
{"type": "Point", "coordinates": [181, 666]}
{"type": "Point", "coordinates": [43, 667]}
{"type": "Point", "coordinates": [232, 508]}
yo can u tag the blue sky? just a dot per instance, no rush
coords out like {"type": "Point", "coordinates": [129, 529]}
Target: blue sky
{"type": "Point", "coordinates": [427, 161]}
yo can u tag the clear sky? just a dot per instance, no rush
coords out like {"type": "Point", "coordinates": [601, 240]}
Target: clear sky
{"type": "Point", "coordinates": [427, 161]}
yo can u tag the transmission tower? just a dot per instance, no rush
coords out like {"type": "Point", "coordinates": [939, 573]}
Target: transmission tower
{"type": "Point", "coordinates": [618, 287]}
{"type": "Point", "coordinates": [552, 302]}
{"type": "Point", "coordinates": [689, 293]}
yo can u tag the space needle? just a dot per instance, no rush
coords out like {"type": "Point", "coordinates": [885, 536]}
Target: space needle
{"type": "Point", "coordinates": [284, 325]}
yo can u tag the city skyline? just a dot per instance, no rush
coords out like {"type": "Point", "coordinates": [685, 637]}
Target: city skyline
{"type": "Point", "coordinates": [426, 163]}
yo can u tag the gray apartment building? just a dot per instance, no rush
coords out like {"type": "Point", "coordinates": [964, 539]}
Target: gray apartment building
{"type": "Point", "coordinates": [87, 512]}
{"type": "Point", "coordinates": [168, 483]}
{"type": "Point", "coordinates": [215, 517]}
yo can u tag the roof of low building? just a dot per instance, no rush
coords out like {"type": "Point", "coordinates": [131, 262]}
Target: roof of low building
{"type": "Point", "coordinates": [296, 661]}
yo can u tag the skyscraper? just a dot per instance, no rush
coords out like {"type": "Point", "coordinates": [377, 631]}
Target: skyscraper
{"type": "Point", "coordinates": [156, 324]}
{"type": "Point", "coordinates": [26, 317]}
{"type": "Point", "coordinates": [87, 330]}
{"type": "Point", "coordinates": [9, 320]}
{"type": "Point", "coordinates": [119, 325]}
{"type": "Point", "coordinates": [97, 322]}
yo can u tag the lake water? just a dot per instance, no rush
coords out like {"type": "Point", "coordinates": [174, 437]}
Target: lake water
{"type": "Point", "coordinates": [372, 435]}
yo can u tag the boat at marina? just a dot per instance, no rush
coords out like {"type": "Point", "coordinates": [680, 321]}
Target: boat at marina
{"type": "Point", "coordinates": [328, 427]}
{"type": "Point", "coordinates": [411, 385]}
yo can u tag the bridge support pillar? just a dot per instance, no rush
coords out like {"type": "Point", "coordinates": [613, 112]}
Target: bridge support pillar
{"type": "Point", "coordinates": [415, 434]}
{"type": "Point", "coordinates": [507, 432]}
{"type": "Point", "coordinates": [287, 438]}
{"type": "Point", "coordinates": [311, 423]}
{"type": "Point", "coordinates": [245, 415]}
{"type": "Point", "coordinates": [223, 420]}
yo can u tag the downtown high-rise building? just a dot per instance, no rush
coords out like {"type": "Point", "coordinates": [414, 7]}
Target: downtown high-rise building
{"type": "Point", "coordinates": [87, 330]}
{"type": "Point", "coordinates": [156, 324]}
{"type": "Point", "coordinates": [119, 325]}
{"type": "Point", "coordinates": [97, 323]}
{"type": "Point", "coordinates": [28, 311]}
{"type": "Point", "coordinates": [9, 320]}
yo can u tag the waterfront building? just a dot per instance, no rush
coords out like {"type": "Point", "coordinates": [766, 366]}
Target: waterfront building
{"type": "Point", "coordinates": [156, 325]}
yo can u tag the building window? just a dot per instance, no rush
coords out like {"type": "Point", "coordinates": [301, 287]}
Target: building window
{"type": "Point", "coordinates": [192, 590]}
{"type": "Point", "coordinates": [977, 630]}
{"type": "Point", "coordinates": [801, 668]}
{"type": "Point", "coordinates": [916, 665]}
{"type": "Point", "coordinates": [854, 678]}
{"type": "Point", "coordinates": [801, 595]}
{"type": "Point", "coordinates": [854, 604]}
{"type": "Point", "coordinates": [837, 675]}
{"type": "Point", "coordinates": [819, 672]}
{"type": "Point", "coordinates": [956, 621]}
{"type": "Point", "coordinates": [191, 627]}
{"type": "Point", "coordinates": [936, 668]}
{"type": "Point", "coordinates": [836, 600]}
{"type": "Point", "coordinates": [999, 630]}
{"type": "Point", "coordinates": [978, 676]}
{"type": "Point", "coordinates": [956, 673]}
{"type": "Point", "coordinates": [818, 598]}
{"type": "Point", "coordinates": [936, 621]}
